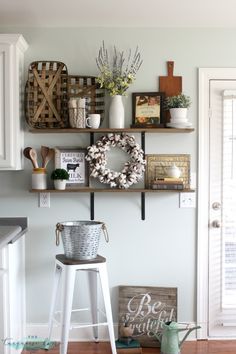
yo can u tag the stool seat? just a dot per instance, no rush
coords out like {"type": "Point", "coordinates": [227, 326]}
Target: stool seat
{"type": "Point", "coordinates": [70, 261]}
{"type": "Point", "coordinates": [67, 268]}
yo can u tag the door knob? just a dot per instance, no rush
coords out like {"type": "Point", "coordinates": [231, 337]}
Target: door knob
{"type": "Point", "coordinates": [216, 206]}
{"type": "Point", "coordinates": [216, 224]}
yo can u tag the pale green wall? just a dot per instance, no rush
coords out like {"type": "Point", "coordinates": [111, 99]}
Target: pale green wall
{"type": "Point", "coordinates": [160, 251]}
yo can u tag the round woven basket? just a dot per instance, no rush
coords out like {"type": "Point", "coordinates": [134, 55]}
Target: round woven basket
{"type": "Point", "coordinates": [80, 238]}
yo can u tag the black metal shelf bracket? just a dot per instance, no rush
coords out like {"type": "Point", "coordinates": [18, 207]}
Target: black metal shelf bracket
{"type": "Point", "coordinates": [92, 193]}
{"type": "Point", "coordinates": [143, 141]}
{"type": "Point", "coordinates": [92, 206]}
{"type": "Point", "coordinates": [142, 193]}
{"type": "Point", "coordinates": [142, 205]}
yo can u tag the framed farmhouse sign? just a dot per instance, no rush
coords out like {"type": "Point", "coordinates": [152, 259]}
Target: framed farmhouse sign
{"type": "Point", "coordinates": [147, 109]}
{"type": "Point", "coordinates": [144, 307]}
{"type": "Point", "coordinates": [73, 161]}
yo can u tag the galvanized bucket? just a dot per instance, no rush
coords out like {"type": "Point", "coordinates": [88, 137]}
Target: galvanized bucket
{"type": "Point", "coordinates": [80, 238]}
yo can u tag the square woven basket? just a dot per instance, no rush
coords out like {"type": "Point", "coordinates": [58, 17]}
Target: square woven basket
{"type": "Point", "coordinates": [86, 87]}
{"type": "Point", "coordinates": [46, 95]}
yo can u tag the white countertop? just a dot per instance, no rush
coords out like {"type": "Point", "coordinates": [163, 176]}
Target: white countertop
{"type": "Point", "coordinates": [8, 233]}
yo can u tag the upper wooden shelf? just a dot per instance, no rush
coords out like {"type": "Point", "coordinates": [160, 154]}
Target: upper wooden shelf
{"type": "Point", "coordinates": [110, 130]}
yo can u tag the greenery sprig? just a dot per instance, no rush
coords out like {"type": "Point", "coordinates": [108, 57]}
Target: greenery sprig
{"type": "Point", "coordinates": [117, 74]}
{"type": "Point", "coordinates": [179, 101]}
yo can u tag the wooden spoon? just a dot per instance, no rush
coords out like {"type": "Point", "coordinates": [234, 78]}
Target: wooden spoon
{"type": "Point", "coordinates": [26, 153]}
{"type": "Point", "coordinates": [44, 153]}
{"type": "Point", "coordinates": [49, 157]}
{"type": "Point", "coordinates": [33, 156]}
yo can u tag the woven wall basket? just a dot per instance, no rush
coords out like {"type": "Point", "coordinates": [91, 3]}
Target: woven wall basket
{"type": "Point", "coordinates": [86, 87]}
{"type": "Point", "coordinates": [46, 98]}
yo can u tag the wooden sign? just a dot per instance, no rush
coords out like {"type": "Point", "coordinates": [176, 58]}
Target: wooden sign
{"type": "Point", "coordinates": [144, 308]}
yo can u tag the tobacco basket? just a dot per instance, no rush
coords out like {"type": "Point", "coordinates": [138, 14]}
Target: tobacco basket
{"type": "Point", "coordinates": [86, 87]}
{"type": "Point", "coordinates": [46, 99]}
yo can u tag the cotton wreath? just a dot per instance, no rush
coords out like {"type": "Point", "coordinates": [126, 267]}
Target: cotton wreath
{"type": "Point", "coordinates": [133, 169]}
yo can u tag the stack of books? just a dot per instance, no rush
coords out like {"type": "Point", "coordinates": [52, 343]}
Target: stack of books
{"type": "Point", "coordinates": [132, 348]}
{"type": "Point", "coordinates": [168, 183]}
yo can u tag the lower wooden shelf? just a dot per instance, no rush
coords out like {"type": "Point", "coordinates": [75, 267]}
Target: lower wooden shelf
{"type": "Point", "coordinates": [92, 191]}
{"type": "Point", "coordinates": [110, 190]}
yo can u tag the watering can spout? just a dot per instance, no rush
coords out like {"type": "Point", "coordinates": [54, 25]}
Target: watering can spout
{"type": "Point", "coordinates": [187, 334]}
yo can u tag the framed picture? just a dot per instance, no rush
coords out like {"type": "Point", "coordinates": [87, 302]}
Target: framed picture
{"type": "Point", "coordinates": [156, 165]}
{"type": "Point", "coordinates": [143, 307]}
{"type": "Point", "coordinates": [73, 161]}
{"type": "Point", "coordinates": [148, 109]}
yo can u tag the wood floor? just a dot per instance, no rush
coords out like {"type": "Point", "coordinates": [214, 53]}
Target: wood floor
{"type": "Point", "coordinates": [196, 347]}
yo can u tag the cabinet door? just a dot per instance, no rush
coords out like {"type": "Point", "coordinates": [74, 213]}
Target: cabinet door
{"type": "Point", "coordinates": [6, 116]}
{"type": "Point", "coordinates": [12, 47]}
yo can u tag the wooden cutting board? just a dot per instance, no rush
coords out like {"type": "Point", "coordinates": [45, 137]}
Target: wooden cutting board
{"type": "Point", "coordinates": [171, 85]}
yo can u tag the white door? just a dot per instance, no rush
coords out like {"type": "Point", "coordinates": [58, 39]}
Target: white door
{"type": "Point", "coordinates": [222, 209]}
{"type": "Point", "coordinates": [217, 199]}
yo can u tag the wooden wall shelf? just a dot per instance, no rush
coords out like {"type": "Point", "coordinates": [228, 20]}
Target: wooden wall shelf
{"type": "Point", "coordinates": [106, 190]}
{"type": "Point", "coordinates": [92, 191]}
{"type": "Point", "coordinates": [108, 130]}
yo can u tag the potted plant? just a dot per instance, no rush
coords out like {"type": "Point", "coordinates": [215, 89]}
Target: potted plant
{"type": "Point", "coordinates": [60, 176]}
{"type": "Point", "coordinates": [178, 106]}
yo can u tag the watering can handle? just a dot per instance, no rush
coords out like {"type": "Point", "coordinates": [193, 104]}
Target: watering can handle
{"type": "Point", "coordinates": [105, 232]}
{"type": "Point", "coordinates": [58, 230]}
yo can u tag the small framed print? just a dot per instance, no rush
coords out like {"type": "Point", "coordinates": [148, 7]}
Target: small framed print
{"type": "Point", "coordinates": [73, 161]}
{"type": "Point", "coordinates": [157, 164]}
{"type": "Point", "coordinates": [148, 109]}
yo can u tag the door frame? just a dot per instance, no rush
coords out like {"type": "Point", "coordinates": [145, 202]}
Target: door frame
{"type": "Point", "coordinates": [205, 76]}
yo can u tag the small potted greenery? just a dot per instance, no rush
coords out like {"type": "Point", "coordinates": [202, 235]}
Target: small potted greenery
{"type": "Point", "coordinates": [60, 176]}
{"type": "Point", "coordinates": [178, 106]}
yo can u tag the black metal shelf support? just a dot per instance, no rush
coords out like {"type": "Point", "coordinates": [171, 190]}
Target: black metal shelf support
{"type": "Point", "coordinates": [92, 193]}
{"type": "Point", "coordinates": [142, 193]}
{"type": "Point", "coordinates": [143, 199]}
{"type": "Point", "coordinates": [92, 206]}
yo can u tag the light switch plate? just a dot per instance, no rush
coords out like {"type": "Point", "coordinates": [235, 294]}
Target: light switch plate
{"type": "Point", "coordinates": [187, 200]}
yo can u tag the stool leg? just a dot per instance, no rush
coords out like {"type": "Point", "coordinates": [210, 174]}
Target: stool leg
{"type": "Point", "coordinates": [67, 299]}
{"type": "Point", "coordinates": [93, 294]}
{"type": "Point", "coordinates": [57, 275]}
{"type": "Point", "coordinates": [107, 302]}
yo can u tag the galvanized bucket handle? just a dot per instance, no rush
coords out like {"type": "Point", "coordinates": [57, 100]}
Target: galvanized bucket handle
{"type": "Point", "coordinates": [60, 227]}
{"type": "Point", "coordinates": [105, 232]}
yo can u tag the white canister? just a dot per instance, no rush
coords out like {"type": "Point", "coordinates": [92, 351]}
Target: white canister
{"type": "Point", "coordinates": [39, 178]}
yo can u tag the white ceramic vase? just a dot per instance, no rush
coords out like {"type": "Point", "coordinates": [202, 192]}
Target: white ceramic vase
{"type": "Point", "coordinates": [116, 112]}
{"type": "Point", "coordinates": [60, 184]}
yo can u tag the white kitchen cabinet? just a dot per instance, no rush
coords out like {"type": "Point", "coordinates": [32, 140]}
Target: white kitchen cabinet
{"type": "Point", "coordinates": [12, 48]}
{"type": "Point", "coordinates": [12, 295]}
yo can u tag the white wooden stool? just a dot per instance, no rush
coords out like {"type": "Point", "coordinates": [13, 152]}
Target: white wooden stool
{"type": "Point", "coordinates": [68, 268]}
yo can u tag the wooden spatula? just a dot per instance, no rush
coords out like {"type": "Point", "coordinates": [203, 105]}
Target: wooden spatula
{"type": "Point", "coordinates": [44, 153]}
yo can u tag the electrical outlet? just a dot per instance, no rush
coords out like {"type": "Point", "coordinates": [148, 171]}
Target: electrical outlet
{"type": "Point", "coordinates": [44, 200]}
{"type": "Point", "coordinates": [187, 200]}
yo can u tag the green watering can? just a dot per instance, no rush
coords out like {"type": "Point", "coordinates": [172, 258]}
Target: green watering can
{"type": "Point", "coordinates": [169, 339]}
